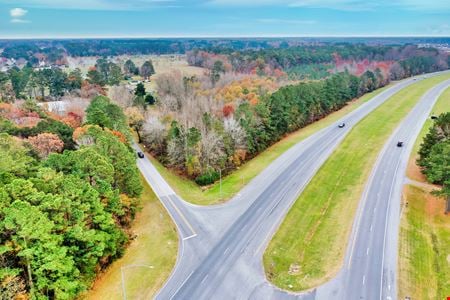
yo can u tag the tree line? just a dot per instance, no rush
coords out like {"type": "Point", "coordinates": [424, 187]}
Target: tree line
{"type": "Point", "coordinates": [311, 61]}
{"type": "Point", "coordinates": [54, 82]}
{"type": "Point", "coordinates": [67, 198]}
{"type": "Point", "coordinates": [200, 138]}
{"type": "Point", "coordinates": [434, 155]}
{"type": "Point", "coordinates": [56, 50]}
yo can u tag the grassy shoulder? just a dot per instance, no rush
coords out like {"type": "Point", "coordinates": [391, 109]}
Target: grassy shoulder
{"type": "Point", "coordinates": [424, 259]}
{"type": "Point", "coordinates": [320, 221]}
{"type": "Point", "coordinates": [232, 183]}
{"type": "Point", "coordinates": [148, 260]}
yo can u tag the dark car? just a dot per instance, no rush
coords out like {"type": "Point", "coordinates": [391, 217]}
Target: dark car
{"type": "Point", "coordinates": [140, 154]}
{"type": "Point", "coordinates": [399, 144]}
{"type": "Point", "coordinates": [433, 117]}
{"type": "Point", "coordinates": [342, 125]}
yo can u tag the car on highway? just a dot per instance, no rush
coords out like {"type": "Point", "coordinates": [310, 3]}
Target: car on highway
{"type": "Point", "coordinates": [140, 154]}
{"type": "Point", "coordinates": [342, 125]}
{"type": "Point", "coordinates": [399, 144]}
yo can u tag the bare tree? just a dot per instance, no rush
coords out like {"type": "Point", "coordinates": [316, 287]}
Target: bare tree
{"type": "Point", "coordinates": [236, 133]}
{"type": "Point", "coordinates": [154, 134]}
{"type": "Point", "coordinates": [212, 153]}
{"type": "Point", "coordinates": [122, 95]}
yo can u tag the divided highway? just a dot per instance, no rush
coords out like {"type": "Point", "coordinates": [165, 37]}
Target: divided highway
{"type": "Point", "coordinates": [221, 247]}
{"type": "Point", "coordinates": [372, 265]}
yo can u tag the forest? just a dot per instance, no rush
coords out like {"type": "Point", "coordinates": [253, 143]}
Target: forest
{"type": "Point", "coordinates": [54, 83]}
{"type": "Point", "coordinates": [68, 193]}
{"type": "Point", "coordinates": [434, 154]}
{"type": "Point", "coordinates": [201, 132]}
{"type": "Point", "coordinates": [203, 126]}
{"type": "Point", "coordinates": [315, 62]}
{"type": "Point", "coordinates": [56, 50]}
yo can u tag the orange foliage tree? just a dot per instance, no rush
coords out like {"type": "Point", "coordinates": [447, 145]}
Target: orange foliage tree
{"type": "Point", "coordinates": [46, 143]}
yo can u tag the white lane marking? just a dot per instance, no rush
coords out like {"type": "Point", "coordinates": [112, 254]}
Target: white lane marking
{"type": "Point", "coordinates": [364, 279]}
{"type": "Point", "coordinates": [204, 278]}
{"type": "Point", "coordinates": [367, 252]}
{"type": "Point", "coordinates": [389, 287]}
{"type": "Point", "coordinates": [226, 250]}
{"type": "Point", "coordinates": [189, 237]}
{"type": "Point", "coordinates": [371, 227]}
{"type": "Point", "coordinates": [394, 178]}
{"type": "Point", "coordinates": [181, 285]}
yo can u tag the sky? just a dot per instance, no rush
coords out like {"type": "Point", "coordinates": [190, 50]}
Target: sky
{"type": "Point", "coordinates": [222, 18]}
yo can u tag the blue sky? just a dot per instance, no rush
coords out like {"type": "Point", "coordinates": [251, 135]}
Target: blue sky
{"type": "Point", "coordinates": [193, 18]}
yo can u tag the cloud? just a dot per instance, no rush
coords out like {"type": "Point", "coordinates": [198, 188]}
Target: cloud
{"type": "Point", "coordinates": [97, 4]}
{"type": "Point", "coordinates": [17, 15]}
{"type": "Point", "coordinates": [19, 21]}
{"type": "Point", "coordinates": [18, 12]}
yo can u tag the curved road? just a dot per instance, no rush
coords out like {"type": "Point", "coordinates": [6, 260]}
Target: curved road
{"type": "Point", "coordinates": [221, 246]}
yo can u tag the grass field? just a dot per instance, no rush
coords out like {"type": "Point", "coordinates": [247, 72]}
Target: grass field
{"type": "Point", "coordinates": [232, 183]}
{"type": "Point", "coordinates": [315, 233]}
{"type": "Point", "coordinates": [148, 260]}
{"type": "Point", "coordinates": [424, 252]}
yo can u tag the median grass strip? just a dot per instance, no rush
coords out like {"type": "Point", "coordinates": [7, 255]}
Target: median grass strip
{"type": "Point", "coordinates": [148, 260]}
{"type": "Point", "coordinates": [309, 247]}
{"type": "Point", "coordinates": [234, 182]}
{"type": "Point", "coordinates": [424, 256]}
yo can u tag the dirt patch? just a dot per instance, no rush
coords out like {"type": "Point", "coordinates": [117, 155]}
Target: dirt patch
{"type": "Point", "coordinates": [294, 269]}
{"type": "Point", "coordinates": [413, 170]}
{"type": "Point", "coordinates": [434, 205]}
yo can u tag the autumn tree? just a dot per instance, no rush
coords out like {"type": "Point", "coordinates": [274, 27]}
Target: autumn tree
{"type": "Point", "coordinates": [135, 120]}
{"type": "Point", "coordinates": [46, 143]}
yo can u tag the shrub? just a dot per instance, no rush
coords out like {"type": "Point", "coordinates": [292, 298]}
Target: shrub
{"type": "Point", "coordinates": [210, 176]}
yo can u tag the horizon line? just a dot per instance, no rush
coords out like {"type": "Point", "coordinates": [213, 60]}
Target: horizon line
{"type": "Point", "coordinates": [62, 37]}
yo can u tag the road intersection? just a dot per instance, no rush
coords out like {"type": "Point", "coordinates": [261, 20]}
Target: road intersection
{"type": "Point", "coordinates": [221, 246]}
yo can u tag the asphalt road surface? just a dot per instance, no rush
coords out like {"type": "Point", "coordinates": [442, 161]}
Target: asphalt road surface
{"type": "Point", "coordinates": [221, 246]}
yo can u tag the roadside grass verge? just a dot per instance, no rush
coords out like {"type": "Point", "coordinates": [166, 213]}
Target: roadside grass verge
{"type": "Point", "coordinates": [424, 256]}
{"type": "Point", "coordinates": [233, 182]}
{"type": "Point", "coordinates": [310, 244]}
{"type": "Point", "coordinates": [148, 260]}
{"type": "Point", "coordinates": [424, 242]}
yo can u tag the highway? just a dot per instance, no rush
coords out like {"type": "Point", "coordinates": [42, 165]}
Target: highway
{"type": "Point", "coordinates": [372, 264]}
{"type": "Point", "coordinates": [221, 246]}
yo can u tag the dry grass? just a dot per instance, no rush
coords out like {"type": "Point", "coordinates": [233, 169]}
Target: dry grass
{"type": "Point", "coordinates": [153, 252]}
